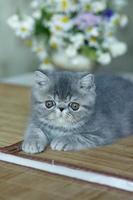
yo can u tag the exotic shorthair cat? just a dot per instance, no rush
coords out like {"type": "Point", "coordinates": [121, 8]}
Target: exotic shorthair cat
{"type": "Point", "coordinates": [77, 110]}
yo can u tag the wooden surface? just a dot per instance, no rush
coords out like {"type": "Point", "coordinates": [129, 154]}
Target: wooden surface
{"type": "Point", "coordinates": [14, 103]}
{"type": "Point", "coordinates": [115, 159]}
{"type": "Point", "coordinates": [18, 183]}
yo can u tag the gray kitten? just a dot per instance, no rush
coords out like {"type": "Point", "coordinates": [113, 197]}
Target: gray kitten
{"type": "Point", "coordinates": [75, 110]}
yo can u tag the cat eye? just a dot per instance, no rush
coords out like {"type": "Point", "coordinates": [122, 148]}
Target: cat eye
{"type": "Point", "coordinates": [75, 106]}
{"type": "Point", "coordinates": [49, 104]}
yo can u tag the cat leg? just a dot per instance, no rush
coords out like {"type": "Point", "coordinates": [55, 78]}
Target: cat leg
{"type": "Point", "coordinates": [68, 143]}
{"type": "Point", "coordinates": [76, 142]}
{"type": "Point", "coordinates": [35, 140]}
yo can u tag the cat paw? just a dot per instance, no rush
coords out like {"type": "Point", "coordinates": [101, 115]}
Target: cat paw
{"type": "Point", "coordinates": [35, 143]}
{"type": "Point", "coordinates": [62, 144]}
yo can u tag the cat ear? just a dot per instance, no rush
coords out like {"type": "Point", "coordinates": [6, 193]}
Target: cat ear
{"type": "Point", "coordinates": [87, 82]}
{"type": "Point", "coordinates": [41, 78]}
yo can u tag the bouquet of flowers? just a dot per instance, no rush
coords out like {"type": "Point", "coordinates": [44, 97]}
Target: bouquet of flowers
{"type": "Point", "coordinates": [72, 32]}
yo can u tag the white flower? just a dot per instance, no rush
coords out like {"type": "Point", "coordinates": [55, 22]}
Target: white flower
{"type": "Point", "coordinates": [115, 19]}
{"type": "Point", "coordinates": [77, 39]}
{"type": "Point", "coordinates": [40, 51]}
{"type": "Point", "coordinates": [35, 4]}
{"type": "Point", "coordinates": [86, 4]}
{"type": "Point", "coordinates": [46, 65]}
{"type": "Point", "coordinates": [118, 49]}
{"type": "Point", "coordinates": [60, 23]}
{"type": "Point", "coordinates": [98, 6]}
{"type": "Point", "coordinates": [61, 5]}
{"type": "Point", "coordinates": [92, 32]}
{"type": "Point", "coordinates": [66, 5]}
{"type": "Point", "coordinates": [104, 58]}
{"type": "Point", "coordinates": [123, 20]}
{"type": "Point", "coordinates": [93, 42]}
{"type": "Point", "coordinates": [109, 29]}
{"type": "Point", "coordinates": [56, 42]}
{"type": "Point", "coordinates": [92, 37]}
{"type": "Point", "coordinates": [37, 14]}
{"type": "Point", "coordinates": [23, 28]}
{"type": "Point", "coordinates": [108, 41]}
{"type": "Point", "coordinates": [13, 21]}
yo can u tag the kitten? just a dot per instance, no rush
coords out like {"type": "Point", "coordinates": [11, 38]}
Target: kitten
{"type": "Point", "coordinates": [75, 110]}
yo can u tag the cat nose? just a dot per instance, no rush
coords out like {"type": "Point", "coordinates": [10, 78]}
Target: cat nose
{"type": "Point", "coordinates": [61, 109]}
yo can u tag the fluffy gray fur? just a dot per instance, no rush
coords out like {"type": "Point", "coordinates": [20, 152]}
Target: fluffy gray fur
{"type": "Point", "coordinates": [105, 111]}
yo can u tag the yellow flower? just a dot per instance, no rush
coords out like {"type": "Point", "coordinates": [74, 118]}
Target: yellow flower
{"type": "Point", "coordinates": [39, 50]}
{"type": "Point", "coordinates": [65, 19]}
{"type": "Point", "coordinates": [54, 45]}
{"type": "Point", "coordinates": [89, 29]}
{"type": "Point", "coordinates": [46, 61]}
{"type": "Point", "coordinates": [88, 7]}
{"type": "Point", "coordinates": [64, 4]}
{"type": "Point", "coordinates": [93, 39]}
{"type": "Point", "coordinates": [23, 29]}
{"type": "Point", "coordinates": [60, 23]}
{"type": "Point", "coordinates": [58, 28]}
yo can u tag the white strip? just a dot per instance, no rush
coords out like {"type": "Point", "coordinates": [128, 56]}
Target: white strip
{"type": "Point", "coordinates": [74, 173]}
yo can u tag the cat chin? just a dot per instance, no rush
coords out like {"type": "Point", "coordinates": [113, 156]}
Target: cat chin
{"type": "Point", "coordinates": [60, 122]}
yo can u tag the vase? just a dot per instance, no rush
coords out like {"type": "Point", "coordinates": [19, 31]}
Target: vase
{"type": "Point", "coordinates": [73, 63]}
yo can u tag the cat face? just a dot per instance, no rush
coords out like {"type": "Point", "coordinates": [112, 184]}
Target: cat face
{"type": "Point", "coordinates": [64, 98]}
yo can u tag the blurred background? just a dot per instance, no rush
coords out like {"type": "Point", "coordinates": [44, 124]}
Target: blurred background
{"type": "Point", "coordinates": [17, 59]}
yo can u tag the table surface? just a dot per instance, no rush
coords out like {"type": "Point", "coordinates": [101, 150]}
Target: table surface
{"type": "Point", "coordinates": [20, 183]}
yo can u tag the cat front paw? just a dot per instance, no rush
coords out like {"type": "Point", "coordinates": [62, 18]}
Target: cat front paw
{"type": "Point", "coordinates": [34, 144]}
{"type": "Point", "coordinates": [62, 144]}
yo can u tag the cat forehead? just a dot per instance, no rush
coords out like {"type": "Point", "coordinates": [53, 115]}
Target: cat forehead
{"type": "Point", "coordinates": [63, 86]}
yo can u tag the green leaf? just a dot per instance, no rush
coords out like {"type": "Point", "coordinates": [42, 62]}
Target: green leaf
{"type": "Point", "coordinates": [40, 29]}
{"type": "Point", "coordinates": [46, 14]}
{"type": "Point", "coordinates": [88, 52]}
